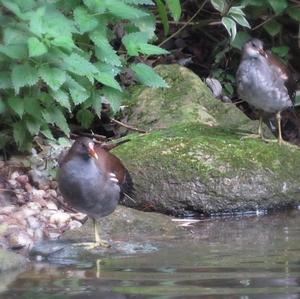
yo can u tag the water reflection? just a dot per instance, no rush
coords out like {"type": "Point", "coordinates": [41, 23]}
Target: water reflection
{"type": "Point", "coordinates": [244, 258]}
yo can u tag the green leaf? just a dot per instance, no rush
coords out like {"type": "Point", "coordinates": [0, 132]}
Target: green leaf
{"type": "Point", "coordinates": [13, 36]}
{"type": "Point", "coordinates": [104, 51]}
{"type": "Point", "coordinates": [230, 26]}
{"type": "Point", "coordinates": [78, 93]}
{"type": "Point", "coordinates": [219, 5]}
{"type": "Point", "coordinates": [96, 103]}
{"type": "Point", "coordinates": [52, 76]}
{"type": "Point", "coordinates": [240, 19]}
{"type": "Point", "coordinates": [36, 23]}
{"type": "Point", "coordinates": [36, 47]}
{"type": "Point", "coordinates": [96, 6]}
{"type": "Point", "coordinates": [55, 116]}
{"type": "Point", "coordinates": [175, 8]}
{"type": "Point", "coordinates": [162, 11]}
{"type": "Point", "coordinates": [124, 11]}
{"type": "Point", "coordinates": [294, 13]}
{"type": "Point", "coordinates": [109, 80]}
{"type": "Point", "coordinates": [278, 5]}
{"type": "Point", "coordinates": [147, 25]}
{"type": "Point", "coordinates": [16, 51]}
{"type": "Point", "coordinates": [114, 98]}
{"type": "Point", "coordinates": [107, 68]}
{"type": "Point", "coordinates": [85, 21]}
{"type": "Point", "coordinates": [85, 117]}
{"type": "Point", "coordinates": [23, 75]}
{"type": "Point", "coordinates": [139, 2]}
{"type": "Point", "coordinates": [19, 132]}
{"type": "Point", "coordinates": [33, 125]}
{"type": "Point", "coordinates": [62, 98]}
{"type": "Point", "coordinates": [147, 76]}
{"type": "Point", "coordinates": [5, 80]}
{"type": "Point", "coordinates": [17, 105]}
{"type": "Point", "coordinates": [281, 51]}
{"type": "Point", "coordinates": [132, 41]}
{"type": "Point", "coordinates": [272, 27]}
{"type": "Point", "coordinates": [79, 65]}
{"type": "Point", "coordinates": [64, 41]}
{"type": "Point", "coordinates": [152, 50]}
{"type": "Point", "coordinates": [32, 106]}
{"type": "Point", "coordinates": [13, 7]}
{"type": "Point", "coordinates": [46, 132]}
{"type": "Point", "coordinates": [240, 39]}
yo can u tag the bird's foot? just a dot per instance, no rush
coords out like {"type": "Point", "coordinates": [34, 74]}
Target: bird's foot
{"type": "Point", "coordinates": [253, 136]}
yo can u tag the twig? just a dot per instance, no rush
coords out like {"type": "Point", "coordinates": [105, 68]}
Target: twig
{"type": "Point", "coordinates": [264, 22]}
{"type": "Point", "coordinates": [10, 190]}
{"type": "Point", "coordinates": [185, 25]}
{"type": "Point", "coordinates": [91, 135]}
{"type": "Point", "coordinates": [131, 128]}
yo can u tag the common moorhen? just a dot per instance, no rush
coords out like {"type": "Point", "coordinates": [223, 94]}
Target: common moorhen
{"type": "Point", "coordinates": [93, 180]}
{"type": "Point", "coordinates": [264, 82]}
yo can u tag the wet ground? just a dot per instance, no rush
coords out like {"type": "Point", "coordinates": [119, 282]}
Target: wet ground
{"type": "Point", "coordinates": [241, 257]}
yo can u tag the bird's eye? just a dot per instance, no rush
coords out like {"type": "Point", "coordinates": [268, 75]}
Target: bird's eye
{"type": "Point", "coordinates": [253, 45]}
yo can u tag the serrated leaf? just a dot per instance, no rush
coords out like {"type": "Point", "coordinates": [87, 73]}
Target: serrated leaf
{"type": "Point", "coordinates": [230, 26]}
{"type": "Point", "coordinates": [35, 47]}
{"type": "Point", "coordinates": [123, 10]}
{"type": "Point", "coordinates": [162, 11]}
{"type": "Point", "coordinates": [85, 117]}
{"type": "Point", "coordinates": [240, 19]}
{"type": "Point", "coordinates": [13, 7]}
{"type": "Point", "coordinates": [62, 98]}
{"type": "Point", "coordinates": [294, 13]}
{"type": "Point", "coordinates": [64, 41]}
{"type": "Point", "coordinates": [5, 80]}
{"type": "Point", "coordinates": [36, 23]}
{"type": "Point", "coordinates": [272, 27]}
{"type": "Point", "coordinates": [52, 76]}
{"type": "Point", "coordinates": [95, 5]}
{"type": "Point", "coordinates": [219, 5]}
{"type": "Point", "coordinates": [55, 116]}
{"type": "Point", "coordinates": [132, 41]}
{"type": "Point", "coordinates": [15, 51]}
{"type": "Point", "coordinates": [19, 132]}
{"type": "Point", "coordinates": [175, 9]}
{"type": "Point", "coordinates": [139, 2]}
{"type": "Point", "coordinates": [108, 80]}
{"type": "Point", "coordinates": [107, 68]}
{"type": "Point", "coordinates": [104, 51]}
{"type": "Point", "coordinates": [147, 76]}
{"type": "Point", "coordinates": [46, 132]}
{"type": "Point", "coordinates": [23, 75]}
{"type": "Point", "coordinates": [152, 50]}
{"type": "Point", "coordinates": [85, 21]}
{"type": "Point", "coordinates": [96, 103]}
{"type": "Point", "coordinates": [78, 93]}
{"type": "Point", "coordinates": [13, 36]}
{"type": "Point", "coordinates": [32, 105]}
{"type": "Point", "coordinates": [114, 98]}
{"type": "Point", "coordinates": [17, 105]}
{"type": "Point", "coordinates": [278, 5]}
{"type": "Point", "coordinates": [32, 125]}
{"type": "Point", "coordinates": [79, 65]}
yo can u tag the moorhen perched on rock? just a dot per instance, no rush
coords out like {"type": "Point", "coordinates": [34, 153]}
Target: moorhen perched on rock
{"type": "Point", "coordinates": [264, 82]}
{"type": "Point", "coordinates": [93, 180]}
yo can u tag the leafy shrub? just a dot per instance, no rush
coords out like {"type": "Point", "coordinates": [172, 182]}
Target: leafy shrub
{"type": "Point", "coordinates": [59, 55]}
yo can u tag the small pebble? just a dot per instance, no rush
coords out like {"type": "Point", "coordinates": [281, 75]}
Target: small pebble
{"type": "Point", "coordinates": [60, 218]}
{"type": "Point", "coordinates": [51, 205]}
{"type": "Point", "coordinates": [14, 175]}
{"type": "Point", "coordinates": [74, 224]}
{"type": "Point", "coordinates": [38, 193]}
{"type": "Point", "coordinates": [33, 222]}
{"type": "Point", "coordinates": [34, 205]}
{"type": "Point", "coordinates": [22, 179]}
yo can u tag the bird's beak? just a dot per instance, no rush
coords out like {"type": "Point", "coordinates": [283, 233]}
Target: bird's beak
{"type": "Point", "coordinates": [92, 151]}
{"type": "Point", "coordinates": [262, 52]}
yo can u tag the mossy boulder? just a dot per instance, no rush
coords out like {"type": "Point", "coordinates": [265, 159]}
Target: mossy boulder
{"type": "Point", "coordinates": [194, 167]}
{"type": "Point", "coordinates": [186, 100]}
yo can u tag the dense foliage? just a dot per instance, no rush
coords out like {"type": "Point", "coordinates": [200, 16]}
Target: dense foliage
{"type": "Point", "coordinates": [59, 57]}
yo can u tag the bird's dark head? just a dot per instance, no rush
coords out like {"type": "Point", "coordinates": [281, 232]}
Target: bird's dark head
{"type": "Point", "coordinates": [84, 147]}
{"type": "Point", "coordinates": [253, 48]}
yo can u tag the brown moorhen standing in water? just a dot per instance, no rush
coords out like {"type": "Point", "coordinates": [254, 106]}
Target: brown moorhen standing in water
{"type": "Point", "coordinates": [264, 82]}
{"type": "Point", "coordinates": [93, 180]}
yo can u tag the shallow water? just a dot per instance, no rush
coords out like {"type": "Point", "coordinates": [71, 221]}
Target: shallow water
{"type": "Point", "coordinates": [240, 257]}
